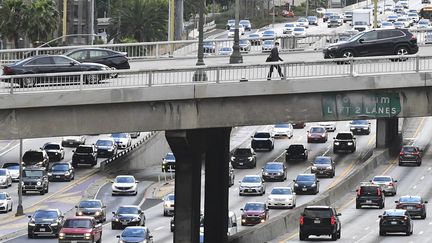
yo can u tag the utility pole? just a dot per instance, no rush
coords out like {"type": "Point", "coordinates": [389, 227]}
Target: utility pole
{"type": "Point", "coordinates": [64, 20]}
{"type": "Point", "coordinates": [199, 74]}
{"type": "Point", "coordinates": [375, 14]}
{"type": "Point", "coordinates": [307, 8]}
{"type": "Point", "coordinates": [236, 56]}
{"type": "Point", "coordinates": [20, 210]}
{"type": "Point", "coordinates": [92, 19]}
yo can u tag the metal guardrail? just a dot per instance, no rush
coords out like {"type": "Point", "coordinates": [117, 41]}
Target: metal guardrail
{"type": "Point", "coordinates": [188, 48]}
{"type": "Point", "coordinates": [213, 74]}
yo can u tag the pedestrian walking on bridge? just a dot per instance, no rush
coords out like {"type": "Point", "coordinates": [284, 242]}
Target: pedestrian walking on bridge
{"type": "Point", "coordinates": [274, 57]}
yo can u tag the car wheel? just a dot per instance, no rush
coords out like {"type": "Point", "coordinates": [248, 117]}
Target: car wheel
{"type": "Point", "coordinates": [27, 82]}
{"type": "Point", "coordinates": [11, 207]}
{"type": "Point", "coordinates": [408, 233]}
{"type": "Point", "coordinates": [401, 51]}
{"type": "Point", "coordinates": [303, 236]}
{"type": "Point", "coordinates": [165, 213]}
{"type": "Point", "coordinates": [334, 236]}
{"type": "Point", "coordinates": [339, 234]}
{"type": "Point", "coordinates": [113, 227]}
{"type": "Point", "coordinates": [92, 79]}
{"type": "Point", "coordinates": [30, 235]}
{"type": "Point", "coordinates": [419, 163]}
{"type": "Point", "coordinates": [46, 190]}
{"type": "Point", "coordinates": [382, 233]}
{"type": "Point", "coordinates": [381, 206]}
{"type": "Point", "coordinates": [42, 192]}
{"type": "Point", "coordinates": [400, 163]}
{"type": "Point", "coordinates": [348, 54]}
{"type": "Point", "coordinates": [423, 216]}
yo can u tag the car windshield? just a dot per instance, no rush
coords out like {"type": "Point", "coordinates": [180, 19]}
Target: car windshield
{"type": "Point", "coordinates": [52, 146]}
{"type": "Point", "coordinates": [44, 214]}
{"type": "Point", "coordinates": [32, 173]}
{"type": "Point", "coordinates": [251, 179]}
{"type": "Point", "coordinates": [268, 32]}
{"type": "Point", "coordinates": [244, 22]}
{"type": "Point", "coordinates": [134, 232]}
{"type": "Point", "coordinates": [254, 35]}
{"type": "Point", "coordinates": [344, 136]}
{"type": "Point", "coordinates": [244, 152]}
{"type": "Point", "coordinates": [386, 24]}
{"type": "Point", "coordinates": [127, 210]}
{"type": "Point", "coordinates": [77, 223]}
{"type": "Point", "coordinates": [359, 122]}
{"type": "Point", "coordinates": [408, 149]}
{"type": "Point", "coordinates": [394, 212]}
{"type": "Point", "coordinates": [290, 25]}
{"type": "Point", "coordinates": [2, 196]}
{"type": "Point", "coordinates": [305, 178]}
{"type": "Point", "coordinates": [268, 42]}
{"type": "Point", "coordinates": [392, 17]}
{"type": "Point", "coordinates": [412, 15]}
{"type": "Point", "coordinates": [11, 166]}
{"type": "Point", "coordinates": [299, 29]}
{"type": "Point", "coordinates": [360, 23]}
{"type": "Point", "coordinates": [317, 213]}
{"type": "Point", "coordinates": [90, 204]}
{"type": "Point", "coordinates": [381, 178]}
{"type": "Point", "coordinates": [317, 130]}
{"type": "Point", "coordinates": [410, 200]}
{"type": "Point", "coordinates": [60, 167]}
{"type": "Point", "coordinates": [369, 190]}
{"type": "Point", "coordinates": [225, 49]}
{"type": "Point", "coordinates": [423, 21]}
{"type": "Point", "coordinates": [254, 207]}
{"type": "Point", "coordinates": [32, 156]}
{"type": "Point", "coordinates": [311, 18]}
{"type": "Point", "coordinates": [2, 172]}
{"type": "Point", "coordinates": [295, 148]}
{"type": "Point", "coordinates": [125, 179]}
{"type": "Point", "coordinates": [170, 197]}
{"type": "Point", "coordinates": [281, 191]}
{"type": "Point", "coordinates": [104, 143]}
{"type": "Point", "coordinates": [231, 21]}
{"type": "Point", "coordinates": [398, 23]}
{"type": "Point", "coordinates": [282, 126]}
{"type": "Point", "coordinates": [262, 135]}
{"type": "Point", "coordinates": [169, 156]}
{"type": "Point", "coordinates": [119, 135]}
{"type": "Point", "coordinates": [274, 166]}
{"type": "Point", "coordinates": [402, 19]}
{"type": "Point", "coordinates": [244, 42]}
{"type": "Point", "coordinates": [81, 149]}
{"type": "Point", "coordinates": [302, 20]}
{"type": "Point", "coordinates": [322, 160]}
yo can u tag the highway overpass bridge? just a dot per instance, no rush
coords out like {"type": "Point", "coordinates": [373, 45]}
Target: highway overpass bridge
{"type": "Point", "coordinates": [198, 112]}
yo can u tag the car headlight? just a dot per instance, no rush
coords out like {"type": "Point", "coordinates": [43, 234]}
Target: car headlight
{"type": "Point", "coordinates": [350, 143]}
{"type": "Point", "coordinates": [80, 213]}
{"type": "Point", "coordinates": [296, 185]}
{"type": "Point", "coordinates": [38, 183]}
{"type": "Point", "coordinates": [49, 174]}
{"type": "Point", "coordinates": [135, 219]}
{"type": "Point", "coordinates": [22, 183]}
{"type": "Point", "coordinates": [31, 223]}
{"type": "Point", "coordinates": [67, 173]}
{"type": "Point", "coordinates": [314, 168]}
{"type": "Point", "coordinates": [352, 128]}
{"type": "Point", "coordinates": [61, 235]}
{"type": "Point", "coordinates": [333, 48]}
{"type": "Point", "coordinates": [329, 168]}
{"type": "Point", "coordinates": [336, 143]}
{"type": "Point", "coordinates": [266, 173]}
{"type": "Point", "coordinates": [97, 213]}
{"type": "Point", "coordinates": [54, 224]}
{"type": "Point", "coordinates": [232, 158]}
{"type": "Point", "coordinates": [365, 128]}
{"type": "Point", "coordinates": [2, 180]}
{"type": "Point", "coordinates": [313, 185]}
{"type": "Point", "coordinates": [250, 158]}
{"type": "Point", "coordinates": [87, 236]}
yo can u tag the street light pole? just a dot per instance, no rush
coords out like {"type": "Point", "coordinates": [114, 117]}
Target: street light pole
{"type": "Point", "coordinates": [20, 210]}
{"type": "Point", "coordinates": [273, 20]}
{"type": "Point", "coordinates": [92, 18]}
{"type": "Point", "coordinates": [236, 56]}
{"type": "Point", "coordinates": [200, 75]}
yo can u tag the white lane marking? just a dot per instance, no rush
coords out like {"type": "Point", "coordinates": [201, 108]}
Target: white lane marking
{"type": "Point", "coordinates": [328, 149]}
{"type": "Point", "coordinates": [421, 178]}
{"type": "Point", "coordinates": [430, 223]}
{"type": "Point", "coordinates": [421, 232]}
{"type": "Point", "coordinates": [7, 151]}
{"type": "Point", "coordinates": [367, 228]}
{"type": "Point", "coordinates": [377, 220]}
{"type": "Point", "coordinates": [159, 228]}
{"type": "Point", "coordinates": [414, 187]}
{"type": "Point", "coordinates": [235, 189]}
{"type": "Point", "coordinates": [430, 168]}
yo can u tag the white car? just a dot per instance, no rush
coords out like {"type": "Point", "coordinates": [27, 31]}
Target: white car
{"type": "Point", "coordinates": [329, 126]}
{"type": "Point", "coordinates": [387, 184]}
{"type": "Point", "coordinates": [252, 185]}
{"type": "Point", "coordinates": [6, 203]}
{"type": "Point", "coordinates": [413, 17]}
{"type": "Point", "coordinates": [288, 28]}
{"type": "Point", "coordinates": [123, 140]}
{"type": "Point", "coordinates": [321, 10]}
{"type": "Point", "coordinates": [226, 51]}
{"type": "Point", "coordinates": [5, 178]}
{"type": "Point", "coordinates": [360, 26]}
{"type": "Point", "coordinates": [387, 25]}
{"type": "Point", "coordinates": [405, 21]}
{"type": "Point", "coordinates": [14, 169]}
{"type": "Point", "coordinates": [303, 22]}
{"type": "Point", "coordinates": [299, 32]}
{"type": "Point", "coordinates": [423, 24]}
{"type": "Point", "coordinates": [388, 7]}
{"type": "Point", "coordinates": [267, 45]}
{"type": "Point", "coordinates": [124, 184]}
{"type": "Point", "coordinates": [231, 33]}
{"type": "Point", "coordinates": [281, 197]}
{"type": "Point", "coordinates": [283, 130]}
{"type": "Point", "coordinates": [168, 204]}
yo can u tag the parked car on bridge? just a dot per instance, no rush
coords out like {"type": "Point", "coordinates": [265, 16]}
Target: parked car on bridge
{"type": "Point", "coordinates": [93, 208]}
{"type": "Point", "coordinates": [243, 157]}
{"type": "Point", "coordinates": [82, 229]}
{"type": "Point", "coordinates": [54, 150]}
{"type": "Point", "coordinates": [410, 154]}
{"type": "Point", "coordinates": [245, 45]}
{"type": "Point", "coordinates": [209, 47]}
{"type": "Point", "coordinates": [296, 152]}
{"type": "Point", "coordinates": [136, 234]}
{"type": "Point", "coordinates": [226, 51]}
{"type": "Point", "coordinates": [255, 39]}
{"type": "Point", "coordinates": [5, 202]}
{"type": "Point", "coordinates": [267, 45]}
{"type": "Point", "coordinates": [110, 58]}
{"type": "Point", "coordinates": [268, 35]}
{"type": "Point", "coordinates": [254, 213]}
{"type": "Point", "coordinates": [61, 171]}
{"type": "Point", "coordinates": [127, 215]}
{"type": "Point", "coordinates": [45, 222]}
{"type": "Point", "coordinates": [395, 221]}
{"type": "Point", "coordinates": [124, 185]}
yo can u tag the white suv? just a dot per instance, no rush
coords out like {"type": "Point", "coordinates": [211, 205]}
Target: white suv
{"type": "Point", "coordinates": [252, 184]}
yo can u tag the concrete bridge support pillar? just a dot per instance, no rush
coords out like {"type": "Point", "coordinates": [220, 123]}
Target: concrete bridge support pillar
{"type": "Point", "coordinates": [387, 133]}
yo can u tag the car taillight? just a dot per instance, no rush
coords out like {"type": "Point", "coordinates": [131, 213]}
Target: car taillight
{"type": "Point", "coordinates": [378, 191]}
{"type": "Point", "coordinates": [401, 153]}
{"type": "Point", "coordinates": [405, 218]}
{"type": "Point", "coordinates": [332, 220]}
{"type": "Point", "coordinates": [415, 153]}
{"type": "Point", "coordinates": [419, 206]}
{"type": "Point", "coordinates": [301, 220]}
{"type": "Point", "coordinates": [7, 71]}
{"type": "Point", "coordinates": [399, 206]}
{"type": "Point", "coordinates": [413, 37]}
{"type": "Point", "coordinates": [391, 184]}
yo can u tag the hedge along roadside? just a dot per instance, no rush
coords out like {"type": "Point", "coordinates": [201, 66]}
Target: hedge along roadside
{"type": "Point", "coordinates": [283, 224]}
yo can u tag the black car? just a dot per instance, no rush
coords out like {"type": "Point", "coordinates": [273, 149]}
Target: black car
{"type": "Point", "coordinates": [369, 195]}
{"type": "Point", "coordinates": [84, 154]}
{"type": "Point", "coordinates": [91, 207]}
{"type": "Point", "coordinates": [415, 205]}
{"type": "Point", "coordinates": [54, 150]}
{"type": "Point", "coordinates": [358, 127]}
{"type": "Point", "coordinates": [110, 58]}
{"type": "Point", "coordinates": [344, 141]}
{"type": "Point", "coordinates": [320, 220]}
{"type": "Point", "coordinates": [45, 222]}
{"type": "Point", "coordinates": [262, 141]}
{"type": "Point", "coordinates": [243, 157]}
{"type": "Point", "coordinates": [274, 171]}
{"type": "Point", "coordinates": [306, 183]}
{"type": "Point", "coordinates": [53, 64]}
{"type": "Point", "coordinates": [61, 171]}
{"type": "Point", "coordinates": [38, 158]}
{"type": "Point", "coordinates": [35, 180]}
{"type": "Point", "coordinates": [395, 221]}
{"type": "Point", "coordinates": [327, 16]}
{"type": "Point", "coordinates": [168, 162]}
{"type": "Point", "coordinates": [106, 147]}
{"type": "Point", "coordinates": [128, 215]}
{"type": "Point", "coordinates": [209, 46]}
{"type": "Point", "coordinates": [323, 166]}
{"type": "Point", "coordinates": [376, 42]}
{"type": "Point", "coordinates": [410, 154]}
{"type": "Point", "coordinates": [296, 152]}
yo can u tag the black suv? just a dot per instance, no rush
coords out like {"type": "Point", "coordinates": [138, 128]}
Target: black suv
{"type": "Point", "coordinates": [369, 195]}
{"type": "Point", "coordinates": [296, 152]}
{"type": "Point", "coordinates": [37, 158]}
{"type": "Point", "coordinates": [323, 166]}
{"type": "Point", "coordinates": [344, 141]}
{"type": "Point", "coordinates": [35, 179]}
{"type": "Point", "coordinates": [243, 157]}
{"type": "Point", "coordinates": [320, 220]}
{"type": "Point", "coordinates": [377, 42]}
{"type": "Point", "coordinates": [84, 154]}
{"type": "Point", "coordinates": [45, 222]}
{"type": "Point", "coordinates": [262, 140]}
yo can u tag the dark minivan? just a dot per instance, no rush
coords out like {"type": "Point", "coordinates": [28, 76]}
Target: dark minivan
{"type": "Point", "coordinates": [243, 157]}
{"type": "Point", "coordinates": [320, 220]}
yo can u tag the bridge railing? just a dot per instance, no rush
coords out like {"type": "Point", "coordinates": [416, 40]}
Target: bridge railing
{"type": "Point", "coordinates": [213, 74]}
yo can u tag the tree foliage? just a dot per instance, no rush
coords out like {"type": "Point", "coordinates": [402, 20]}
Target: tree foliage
{"type": "Point", "coordinates": [13, 19]}
{"type": "Point", "coordinates": [43, 20]}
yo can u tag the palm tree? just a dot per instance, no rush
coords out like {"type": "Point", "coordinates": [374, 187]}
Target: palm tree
{"type": "Point", "coordinates": [12, 19]}
{"type": "Point", "coordinates": [43, 19]}
{"type": "Point", "coordinates": [142, 20]}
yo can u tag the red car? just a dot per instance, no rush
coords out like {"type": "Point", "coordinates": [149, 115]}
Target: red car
{"type": "Point", "coordinates": [80, 229]}
{"type": "Point", "coordinates": [317, 134]}
{"type": "Point", "coordinates": [410, 155]}
{"type": "Point", "coordinates": [254, 213]}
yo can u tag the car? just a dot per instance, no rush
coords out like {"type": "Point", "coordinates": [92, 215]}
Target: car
{"type": "Point", "coordinates": [423, 24]}
{"type": "Point", "coordinates": [288, 28]}
{"type": "Point", "coordinates": [61, 171]}
{"type": "Point", "coordinates": [397, 42]}
{"type": "Point", "coordinates": [36, 157]}
{"type": "Point", "coordinates": [327, 15]}
{"type": "Point", "coordinates": [347, 16]}
{"type": "Point", "coordinates": [299, 32]}
{"type": "Point", "coordinates": [127, 215]}
{"type": "Point", "coordinates": [110, 58]}
{"type": "Point", "coordinates": [404, 3]}
{"type": "Point", "coordinates": [106, 147]}
{"type": "Point", "coordinates": [359, 127]}
{"type": "Point", "coordinates": [262, 141]}
{"type": "Point", "coordinates": [283, 130]}
{"type": "Point", "coordinates": [245, 45]}
{"type": "Point", "coordinates": [392, 18]}
{"type": "Point", "coordinates": [281, 197]}
{"type": "Point", "coordinates": [405, 21]}
{"type": "Point", "coordinates": [415, 205]}
{"type": "Point", "coordinates": [329, 126]}
{"type": "Point", "coordinates": [124, 185]}
{"type": "Point", "coordinates": [45, 222]}
{"type": "Point", "coordinates": [230, 23]}
{"type": "Point", "coordinates": [288, 13]}
{"type": "Point", "coordinates": [135, 234]}
{"type": "Point", "coordinates": [209, 47]}
{"type": "Point", "coordinates": [14, 170]}
{"type": "Point", "coordinates": [243, 157]}
{"type": "Point", "coordinates": [267, 45]}
{"type": "Point", "coordinates": [387, 183]}
{"type": "Point", "coordinates": [81, 227]}
{"type": "Point", "coordinates": [425, 1]}
{"type": "Point", "coordinates": [387, 25]}
{"type": "Point", "coordinates": [255, 39]}
{"type": "Point", "coordinates": [35, 179]}
{"type": "Point", "coordinates": [231, 175]}
{"type": "Point", "coordinates": [5, 178]}
{"type": "Point", "coordinates": [320, 10]}
{"type": "Point", "coordinates": [274, 171]}
{"type": "Point", "coordinates": [298, 124]}
{"type": "Point", "coordinates": [388, 7]}
{"type": "Point", "coordinates": [54, 150]}
{"type": "Point", "coordinates": [53, 64]}
{"type": "Point", "coordinates": [84, 154]}
{"type": "Point", "coordinates": [323, 166]}
{"type": "Point", "coordinates": [306, 183]}
{"type": "Point", "coordinates": [226, 51]}
{"type": "Point", "coordinates": [344, 141]}
{"type": "Point", "coordinates": [268, 35]}
{"type": "Point", "coordinates": [395, 221]}
{"type": "Point", "coordinates": [254, 213]}
{"type": "Point", "coordinates": [123, 140]}
{"type": "Point", "coordinates": [399, 25]}
{"type": "Point", "coordinates": [410, 154]}
{"type": "Point", "coordinates": [413, 17]}
{"type": "Point", "coordinates": [317, 134]}
{"type": "Point", "coordinates": [320, 220]}
{"type": "Point", "coordinates": [360, 26]}
{"type": "Point", "coordinates": [246, 24]}
{"type": "Point", "coordinates": [398, 9]}
{"type": "Point", "coordinates": [6, 203]}
{"type": "Point", "coordinates": [73, 141]}
{"type": "Point", "coordinates": [335, 21]}
{"type": "Point", "coordinates": [369, 194]}
{"type": "Point", "coordinates": [296, 152]}
{"type": "Point", "coordinates": [134, 134]}
{"type": "Point", "coordinates": [93, 208]}
{"type": "Point", "coordinates": [168, 163]}
{"type": "Point", "coordinates": [231, 31]}
{"type": "Point", "coordinates": [168, 204]}
{"type": "Point", "coordinates": [302, 22]}
{"type": "Point", "coordinates": [252, 185]}
{"type": "Point", "coordinates": [313, 20]}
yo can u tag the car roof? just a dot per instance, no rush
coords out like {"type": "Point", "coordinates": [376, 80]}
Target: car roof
{"type": "Point", "coordinates": [130, 206]}
{"type": "Point", "coordinates": [318, 207]}
{"type": "Point", "coordinates": [251, 176]}
{"type": "Point", "coordinates": [90, 200]}
{"type": "Point", "coordinates": [255, 202]}
{"type": "Point", "coordinates": [274, 163]}
{"type": "Point", "coordinates": [125, 176]}
{"type": "Point", "coordinates": [282, 187]}
{"type": "Point", "coordinates": [80, 217]}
